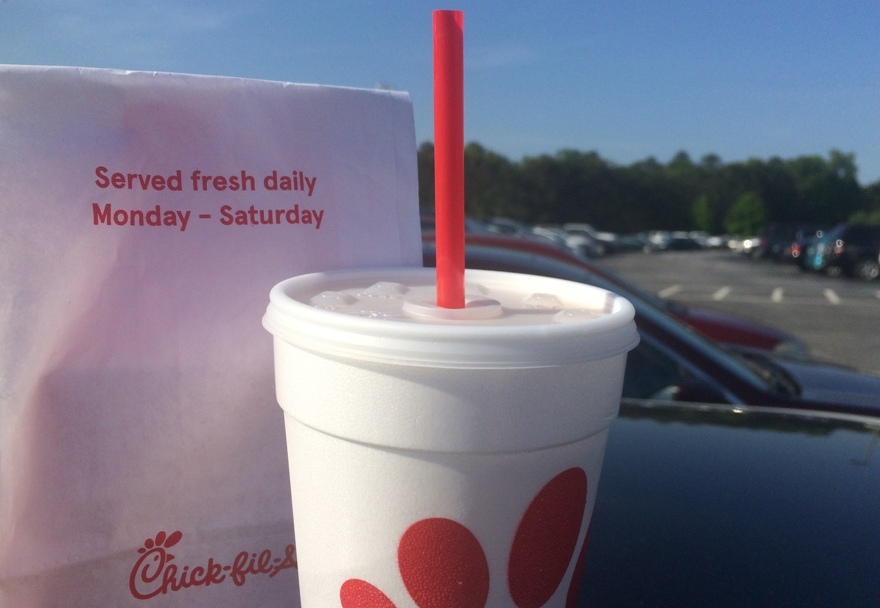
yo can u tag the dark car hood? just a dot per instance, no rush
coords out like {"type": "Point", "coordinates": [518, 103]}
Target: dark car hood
{"type": "Point", "coordinates": [727, 508]}
{"type": "Point", "coordinates": [832, 384]}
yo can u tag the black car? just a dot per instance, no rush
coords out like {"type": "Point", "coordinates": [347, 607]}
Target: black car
{"type": "Point", "coordinates": [851, 249]}
{"type": "Point", "coordinates": [722, 507]}
{"type": "Point", "coordinates": [797, 251]}
{"type": "Point", "coordinates": [742, 499]}
{"type": "Point", "coordinates": [784, 242]}
{"type": "Point", "coordinates": [674, 363]}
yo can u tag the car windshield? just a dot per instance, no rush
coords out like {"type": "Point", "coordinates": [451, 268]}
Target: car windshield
{"type": "Point", "coordinates": [753, 371]}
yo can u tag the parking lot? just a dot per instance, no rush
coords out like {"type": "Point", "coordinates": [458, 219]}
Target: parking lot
{"type": "Point", "coordinates": [838, 318]}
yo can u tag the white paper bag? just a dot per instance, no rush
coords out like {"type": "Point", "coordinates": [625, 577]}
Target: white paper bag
{"type": "Point", "coordinates": [143, 219]}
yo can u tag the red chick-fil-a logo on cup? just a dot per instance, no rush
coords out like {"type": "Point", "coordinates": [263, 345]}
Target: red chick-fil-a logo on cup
{"type": "Point", "coordinates": [154, 573]}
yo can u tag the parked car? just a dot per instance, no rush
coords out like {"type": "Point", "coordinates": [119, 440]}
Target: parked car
{"type": "Point", "coordinates": [428, 222]}
{"type": "Point", "coordinates": [796, 251]}
{"type": "Point", "coordinates": [630, 242]}
{"type": "Point", "coordinates": [674, 362]}
{"type": "Point", "coordinates": [729, 507]}
{"type": "Point", "coordinates": [578, 242]}
{"type": "Point", "coordinates": [788, 246]}
{"type": "Point", "coordinates": [721, 327]}
{"type": "Point", "coordinates": [605, 242]}
{"type": "Point", "coordinates": [851, 249]}
{"type": "Point", "coordinates": [674, 241]}
{"type": "Point", "coordinates": [811, 252]}
{"type": "Point", "coordinates": [777, 241]}
{"type": "Point", "coordinates": [503, 225]}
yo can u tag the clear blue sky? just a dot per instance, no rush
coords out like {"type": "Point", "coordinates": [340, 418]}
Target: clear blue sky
{"type": "Point", "coordinates": [629, 79]}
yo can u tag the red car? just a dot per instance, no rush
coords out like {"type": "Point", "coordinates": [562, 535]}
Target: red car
{"type": "Point", "coordinates": [723, 328]}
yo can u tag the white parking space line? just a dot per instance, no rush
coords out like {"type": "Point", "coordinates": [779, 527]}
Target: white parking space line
{"type": "Point", "coordinates": [721, 294]}
{"type": "Point", "coordinates": [669, 291]}
{"type": "Point", "coordinates": [776, 296]}
{"type": "Point", "coordinates": [831, 296]}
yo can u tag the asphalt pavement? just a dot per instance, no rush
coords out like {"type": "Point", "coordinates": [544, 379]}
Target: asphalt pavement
{"type": "Point", "coordinates": [837, 317]}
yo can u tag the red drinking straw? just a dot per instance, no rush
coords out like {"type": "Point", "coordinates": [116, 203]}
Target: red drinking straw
{"type": "Point", "coordinates": [449, 156]}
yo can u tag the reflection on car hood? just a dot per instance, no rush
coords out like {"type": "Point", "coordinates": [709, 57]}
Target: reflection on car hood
{"type": "Point", "coordinates": [728, 507]}
{"type": "Point", "coordinates": [822, 382]}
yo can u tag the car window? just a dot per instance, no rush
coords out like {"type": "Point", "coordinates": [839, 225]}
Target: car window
{"type": "Point", "coordinates": [495, 258]}
{"type": "Point", "coordinates": [651, 374]}
{"type": "Point", "coordinates": [864, 235]}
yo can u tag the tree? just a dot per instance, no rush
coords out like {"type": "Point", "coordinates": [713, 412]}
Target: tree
{"type": "Point", "coordinates": [842, 165]}
{"type": "Point", "coordinates": [828, 190]}
{"type": "Point", "coordinates": [651, 199]}
{"type": "Point", "coordinates": [711, 162]}
{"type": "Point", "coordinates": [747, 216]}
{"type": "Point", "coordinates": [491, 184]}
{"type": "Point", "coordinates": [425, 164]}
{"type": "Point", "coordinates": [576, 186]}
{"type": "Point", "coordinates": [570, 186]}
{"type": "Point", "coordinates": [704, 219]}
{"type": "Point", "coordinates": [681, 164]}
{"type": "Point", "coordinates": [870, 211]}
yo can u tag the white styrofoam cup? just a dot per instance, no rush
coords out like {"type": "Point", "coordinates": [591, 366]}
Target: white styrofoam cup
{"type": "Point", "coordinates": [444, 457]}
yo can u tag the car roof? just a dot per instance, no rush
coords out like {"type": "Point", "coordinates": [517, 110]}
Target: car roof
{"type": "Point", "coordinates": [518, 244]}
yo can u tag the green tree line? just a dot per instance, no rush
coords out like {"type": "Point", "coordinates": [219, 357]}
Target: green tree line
{"type": "Point", "coordinates": [683, 194]}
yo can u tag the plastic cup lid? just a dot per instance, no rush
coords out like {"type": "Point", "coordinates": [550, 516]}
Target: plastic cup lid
{"type": "Point", "coordinates": [389, 315]}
